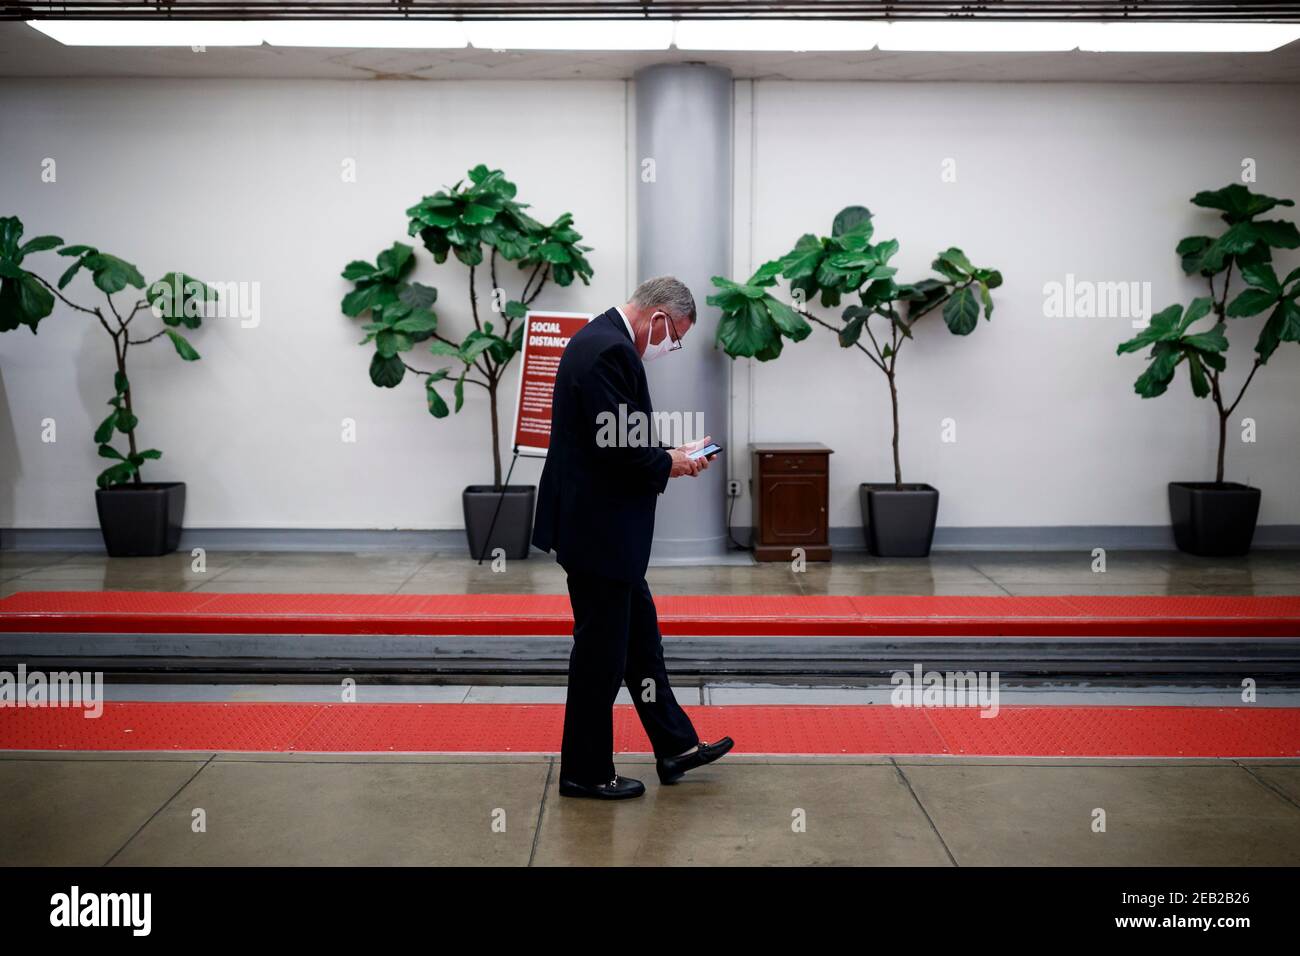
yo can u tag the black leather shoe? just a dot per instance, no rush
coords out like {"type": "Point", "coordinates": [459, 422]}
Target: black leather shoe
{"type": "Point", "coordinates": [620, 788]}
{"type": "Point", "coordinates": [671, 768]}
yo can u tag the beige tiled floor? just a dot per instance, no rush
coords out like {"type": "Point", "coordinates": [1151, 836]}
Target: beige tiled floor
{"type": "Point", "coordinates": [236, 809]}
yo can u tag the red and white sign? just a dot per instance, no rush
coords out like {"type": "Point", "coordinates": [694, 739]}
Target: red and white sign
{"type": "Point", "coordinates": [545, 336]}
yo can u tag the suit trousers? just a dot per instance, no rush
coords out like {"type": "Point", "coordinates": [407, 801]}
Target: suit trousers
{"type": "Point", "coordinates": [616, 641]}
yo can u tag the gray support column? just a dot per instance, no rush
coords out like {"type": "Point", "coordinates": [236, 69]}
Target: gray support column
{"type": "Point", "coordinates": [683, 227]}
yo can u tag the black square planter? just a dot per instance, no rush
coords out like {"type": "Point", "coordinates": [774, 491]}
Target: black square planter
{"type": "Point", "coordinates": [513, 530]}
{"type": "Point", "coordinates": [899, 522]}
{"type": "Point", "coordinates": [141, 520]}
{"type": "Point", "coordinates": [1213, 520]}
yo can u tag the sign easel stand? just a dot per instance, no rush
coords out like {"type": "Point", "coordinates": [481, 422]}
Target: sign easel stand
{"type": "Point", "coordinates": [487, 544]}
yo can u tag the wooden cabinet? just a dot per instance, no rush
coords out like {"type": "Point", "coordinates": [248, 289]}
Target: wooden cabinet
{"type": "Point", "coordinates": [790, 487]}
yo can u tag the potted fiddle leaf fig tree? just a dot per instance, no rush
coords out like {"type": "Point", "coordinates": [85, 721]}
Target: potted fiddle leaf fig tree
{"type": "Point", "coordinates": [136, 517]}
{"type": "Point", "coordinates": [898, 517]}
{"type": "Point", "coordinates": [481, 223]}
{"type": "Point", "coordinates": [1218, 518]}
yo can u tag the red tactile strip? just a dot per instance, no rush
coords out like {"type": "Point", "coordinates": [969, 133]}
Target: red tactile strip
{"type": "Point", "coordinates": [536, 728]}
{"type": "Point", "coordinates": [548, 614]}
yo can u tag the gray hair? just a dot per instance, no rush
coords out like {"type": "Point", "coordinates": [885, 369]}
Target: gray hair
{"type": "Point", "coordinates": [667, 293]}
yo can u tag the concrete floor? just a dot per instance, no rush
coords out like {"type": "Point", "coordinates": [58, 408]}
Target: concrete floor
{"type": "Point", "coordinates": [141, 809]}
{"type": "Point", "coordinates": [952, 572]}
{"type": "Point", "coordinates": [241, 809]}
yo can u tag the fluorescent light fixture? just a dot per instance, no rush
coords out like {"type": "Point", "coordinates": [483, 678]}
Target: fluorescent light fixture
{"type": "Point", "coordinates": [776, 35]}
{"type": "Point", "coordinates": [151, 32]}
{"type": "Point", "coordinates": [570, 34]}
{"type": "Point", "coordinates": [984, 36]}
{"type": "Point", "coordinates": [375, 34]}
{"type": "Point", "coordinates": [1190, 37]}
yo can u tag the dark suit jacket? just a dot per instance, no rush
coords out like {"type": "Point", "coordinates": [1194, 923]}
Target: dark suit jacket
{"type": "Point", "coordinates": [596, 505]}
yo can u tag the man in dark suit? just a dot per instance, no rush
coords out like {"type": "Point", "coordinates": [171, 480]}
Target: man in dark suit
{"type": "Point", "coordinates": [604, 471]}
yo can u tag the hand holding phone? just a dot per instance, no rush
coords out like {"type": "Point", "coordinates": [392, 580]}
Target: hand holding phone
{"type": "Point", "coordinates": [707, 451]}
{"type": "Point", "coordinates": [693, 457]}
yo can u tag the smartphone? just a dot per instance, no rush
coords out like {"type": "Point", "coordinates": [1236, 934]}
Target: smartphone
{"type": "Point", "coordinates": [708, 451]}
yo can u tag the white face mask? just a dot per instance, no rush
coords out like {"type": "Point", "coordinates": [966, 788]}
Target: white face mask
{"type": "Point", "coordinates": [654, 350]}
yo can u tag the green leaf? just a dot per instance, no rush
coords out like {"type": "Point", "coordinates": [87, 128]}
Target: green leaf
{"type": "Point", "coordinates": [803, 260]}
{"type": "Point", "coordinates": [1277, 233]}
{"type": "Point", "coordinates": [957, 259]}
{"type": "Point", "coordinates": [418, 322]}
{"type": "Point", "coordinates": [766, 274]}
{"type": "Point", "coordinates": [389, 343]}
{"type": "Point", "coordinates": [183, 347]}
{"type": "Point", "coordinates": [1238, 203]}
{"type": "Point", "coordinates": [475, 344]}
{"type": "Point", "coordinates": [386, 372]}
{"type": "Point", "coordinates": [437, 407]}
{"type": "Point", "coordinates": [105, 430]}
{"type": "Point", "coordinates": [1212, 341]}
{"type": "Point", "coordinates": [1282, 326]}
{"type": "Point", "coordinates": [961, 311]}
{"type": "Point", "coordinates": [181, 299]}
{"type": "Point", "coordinates": [470, 255]}
{"type": "Point", "coordinates": [112, 274]}
{"type": "Point", "coordinates": [855, 319]}
{"type": "Point", "coordinates": [1200, 385]}
{"type": "Point", "coordinates": [1262, 276]}
{"type": "Point", "coordinates": [1164, 325]}
{"type": "Point", "coordinates": [1193, 251]}
{"type": "Point", "coordinates": [39, 244]}
{"type": "Point", "coordinates": [396, 261]}
{"type": "Point", "coordinates": [477, 214]}
{"type": "Point", "coordinates": [116, 475]}
{"type": "Point", "coordinates": [70, 272]}
{"type": "Point", "coordinates": [458, 390]}
{"type": "Point", "coordinates": [852, 219]}
{"type": "Point", "coordinates": [1155, 380]}
{"type": "Point", "coordinates": [791, 324]}
{"type": "Point", "coordinates": [23, 301]}
{"type": "Point", "coordinates": [1252, 302]}
{"type": "Point", "coordinates": [554, 252]}
{"type": "Point", "coordinates": [749, 332]}
{"type": "Point", "coordinates": [439, 347]}
{"type": "Point", "coordinates": [418, 296]}
{"type": "Point", "coordinates": [1199, 308]}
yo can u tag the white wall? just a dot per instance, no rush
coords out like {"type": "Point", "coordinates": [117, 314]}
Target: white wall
{"type": "Point", "coordinates": [241, 181]}
{"type": "Point", "coordinates": [1051, 179]}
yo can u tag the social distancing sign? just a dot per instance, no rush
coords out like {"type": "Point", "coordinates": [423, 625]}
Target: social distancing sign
{"type": "Point", "coordinates": [545, 336]}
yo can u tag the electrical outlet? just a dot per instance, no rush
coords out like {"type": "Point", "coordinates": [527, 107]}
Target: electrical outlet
{"type": "Point", "coordinates": [733, 488]}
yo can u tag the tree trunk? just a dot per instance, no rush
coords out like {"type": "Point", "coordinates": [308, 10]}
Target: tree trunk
{"type": "Point", "coordinates": [496, 437]}
{"type": "Point", "coordinates": [1223, 441]}
{"type": "Point", "coordinates": [126, 399]}
{"type": "Point", "coordinates": [1217, 395]}
{"type": "Point", "coordinates": [893, 398]}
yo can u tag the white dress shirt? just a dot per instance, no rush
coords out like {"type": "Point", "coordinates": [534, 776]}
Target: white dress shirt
{"type": "Point", "coordinates": [630, 333]}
